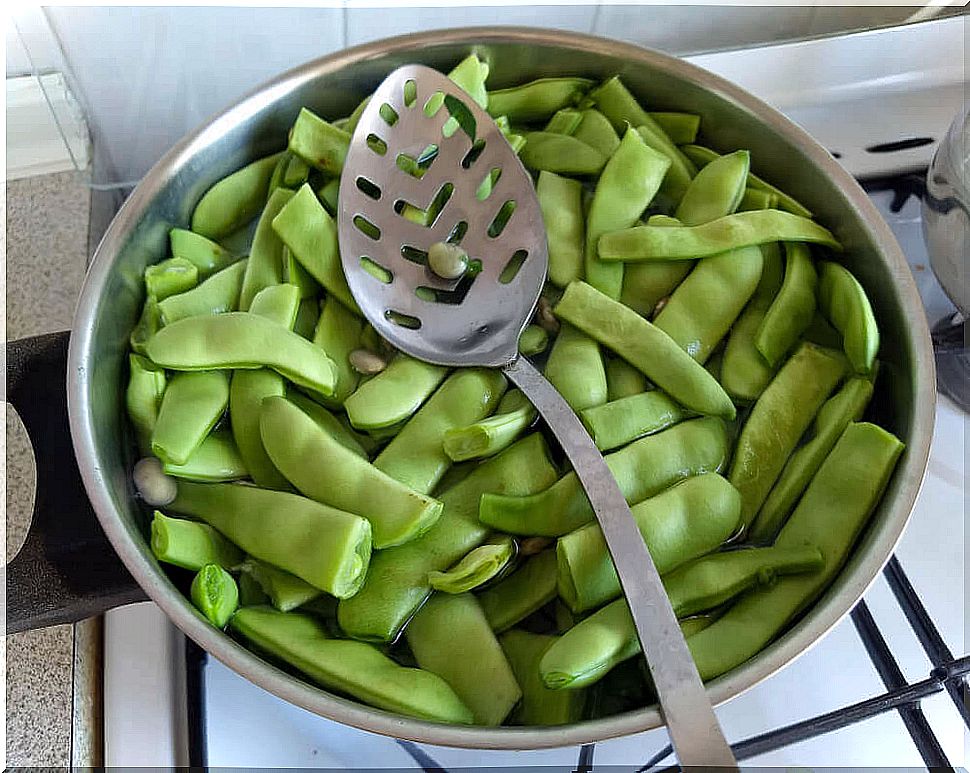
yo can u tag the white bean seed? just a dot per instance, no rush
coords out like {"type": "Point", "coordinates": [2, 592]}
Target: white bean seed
{"type": "Point", "coordinates": [153, 485]}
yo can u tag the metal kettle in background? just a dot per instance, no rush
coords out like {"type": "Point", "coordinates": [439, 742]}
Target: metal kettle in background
{"type": "Point", "coordinates": [946, 231]}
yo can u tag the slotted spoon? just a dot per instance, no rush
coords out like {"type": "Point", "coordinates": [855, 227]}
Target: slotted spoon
{"type": "Point", "coordinates": [427, 165]}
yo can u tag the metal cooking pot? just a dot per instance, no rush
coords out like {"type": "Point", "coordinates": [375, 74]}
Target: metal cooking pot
{"type": "Point", "coordinates": [62, 556]}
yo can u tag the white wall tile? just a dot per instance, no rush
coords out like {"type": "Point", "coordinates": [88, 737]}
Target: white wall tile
{"type": "Point", "coordinates": [366, 22]}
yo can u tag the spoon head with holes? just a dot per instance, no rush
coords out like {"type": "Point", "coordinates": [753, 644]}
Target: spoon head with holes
{"type": "Point", "coordinates": [427, 167]}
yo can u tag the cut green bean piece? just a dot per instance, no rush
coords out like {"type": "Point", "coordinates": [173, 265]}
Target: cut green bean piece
{"type": "Point", "coordinates": [235, 200]}
{"type": "Point", "coordinates": [642, 469]}
{"type": "Point", "coordinates": [560, 153]}
{"type": "Point", "coordinates": [319, 143]}
{"type": "Point", "coordinates": [575, 368]}
{"type": "Point", "coordinates": [416, 456]}
{"type": "Point", "coordinates": [479, 566]}
{"type": "Point", "coordinates": [285, 591]}
{"type": "Point", "coordinates": [644, 346]}
{"type": "Point", "coordinates": [251, 593]}
{"type": "Point", "coordinates": [450, 636]}
{"type": "Point", "coordinates": [821, 332]}
{"type": "Point", "coordinates": [246, 392]}
{"type": "Point", "coordinates": [328, 548]}
{"type": "Point", "coordinates": [596, 131]}
{"type": "Point", "coordinates": [327, 472]}
{"type": "Point", "coordinates": [394, 394]}
{"type": "Point", "coordinates": [216, 459]}
{"type": "Point", "coordinates": [741, 229]}
{"type": "Point", "coordinates": [149, 323]}
{"type": "Point", "coordinates": [242, 340]}
{"type": "Point", "coordinates": [619, 422]}
{"type": "Point", "coordinates": [397, 581]}
{"type": "Point", "coordinates": [338, 333]}
{"type": "Point", "coordinates": [702, 156]}
{"type": "Point", "coordinates": [792, 309]}
{"type": "Point", "coordinates": [216, 295]}
{"type": "Point", "coordinates": [757, 199]}
{"type": "Point", "coordinates": [295, 173]}
{"type": "Point", "coordinates": [265, 265]}
{"type": "Point", "coordinates": [628, 184]}
{"type": "Point", "coordinates": [540, 706]}
{"type": "Point", "coordinates": [623, 380]}
{"type": "Point", "coordinates": [295, 274]}
{"type": "Point", "coordinates": [489, 436]}
{"type": "Point", "coordinates": [687, 520]}
{"type": "Point", "coordinates": [170, 277]}
{"type": "Point", "coordinates": [190, 544]}
{"type": "Point", "coordinates": [307, 317]}
{"type": "Point", "coordinates": [538, 100]}
{"type": "Point", "coordinates": [845, 304]}
{"type": "Point", "coordinates": [191, 406]}
{"type": "Point", "coordinates": [311, 234]}
{"type": "Point", "coordinates": [327, 195]}
{"type": "Point", "coordinates": [352, 667]}
{"type": "Point", "coordinates": [534, 340]}
{"type": "Point", "coordinates": [564, 121]}
{"type": "Point", "coordinates": [779, 419]}
{"type": "Point", "coordinates": [562, 213]}
{"type": "Point", "coordinates": [471, 73]}
{"type": "Point", "coordinates": [207, 256]}
{"type": "Point", "coordinates": [143, 398]}
{"type": "Point", "coordinates": [278, 302]}
{"type": "Point", "coordinates": [682, 128]}
{"type": "Point", "coordinates": [214, 594]}
{"type": "Point", "coordinates": [340, 432]}
{"type": "Point", "coordinates": [846, 406]}
{"type": "Point", "coordinates": [527, 589]}
{"type": "Point", "coordinates": [830, 516]}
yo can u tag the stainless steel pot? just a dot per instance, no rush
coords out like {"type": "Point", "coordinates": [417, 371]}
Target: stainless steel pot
{"type": "Point", "coordinates": [332, 86]}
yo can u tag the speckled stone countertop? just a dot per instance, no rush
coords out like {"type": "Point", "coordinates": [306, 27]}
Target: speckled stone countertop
{"type": "Point", "coordinates": [52, 674]}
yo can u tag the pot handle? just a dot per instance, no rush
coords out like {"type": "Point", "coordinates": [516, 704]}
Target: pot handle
{"type": "Point", "coordinates": [66, 570]}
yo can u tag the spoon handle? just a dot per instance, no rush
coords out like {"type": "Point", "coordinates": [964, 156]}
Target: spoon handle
{"type": "Point", "coordinates": [694, 731]}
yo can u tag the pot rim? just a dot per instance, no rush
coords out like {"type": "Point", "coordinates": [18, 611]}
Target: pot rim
{"type": "Point", "coordinates": [826, 613]}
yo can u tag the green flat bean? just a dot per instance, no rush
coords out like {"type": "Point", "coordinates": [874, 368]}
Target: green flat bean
{"type": "Point", "coordinates": [216, 295]}
{"type": "Point", "coordinates": [684, 522]}
{"type": "Point", "coordinates": [170, 277]}
{"type": "Point", "coordinates": [319, 143]}
{"type": "Point", "coordinates": [562, 213]}
{"type": "Point", "coordinates": [538, 100]}
{"type": "Point", "coordinates": [539, 705]}
{"type": "Point", "coordinates": [716, 190]}
{"type": "Point", "coordinates": [355, 668]}
{"type": "Point", "coordinates": [630, 180]}
{"type": "Point", "coordinates": [646, 284]}
{"type": "Point", "coordinates": [251, 593]}
{"type": "Point", "coordinates": [702, 156]}
{"type": "Point", "coordinates": [586, 652]}
{"type": "Point", "coordinates": [642, 469]}
{"type": "Point", "coordinates": [295, 173]}
{"type": "Point", "coordinates": [339, 431]}
{"type": "Point", "coordinates": [644, 346]}
{"type": "Point", "coordinates": [191, 406]}
{"type": "Point", "coordinates": [295, 274]}
{"type": "Point", "coordinates": [682, 128]}
{"type": "Point", "coordinates": [479, 566]}
{"type": "Point", "coordinates": [338, 333]}
{"type": "Point", "coordinates": [514, 415]}
{"type": "Point", "coordinates": [846, 406]}
{"type": "Point", "coordinates": [239, 241]}
{"type": "Point", "coordinates": [844, 303]}
{"type": "Point", "coordinates": [242, 340]}
{"type": "Point", "coordinates": [327, 195]}
{"type": "Point", "coordinates": [778, 420]}
{"type": "Point", "coordinates": [596, 131]}
{"type": "Point", "coordinates": [143, 397]}
{"type": "Point", "coordinates": [216, 459]}
{"type": "Point", "coordinates": [820, 332]}
{"type": "Point", "coordinates": [207, 256]}
{"type": "Point", "coordinates": [745, 372]}
{"type": "Point", "coordinates": [246, 392]}
{"type": "Point", "coordinates": [623, 380]}
{"type": "Point", "coordinates": [190, 544]}
{"type": "Point", "coordinates": [416, 456]}
{"type": "Point", "coordinates": [450, 636]}
{"type": "Point", "coordinates": [830, 515]}
{"type": "Point", "coordinates": [792, 309]}
{"type": "Point", "coordinates": [307, 317]}
{"type": "Point", "coordinates": [328, 548]}
{"type": "Point", "coordinates": [560, 153]}
{"type": "Point", "coordinates": [327, 472]}
{"type": "Point", "coordinates": [757, 199]}
{"type": "Point", "coordinates": [471, 73]}
{"type": "Point", "coordinates": [311, 235]}
{"type": "Point", "coordinates": [564, 121]}
{"type": "Point", "coordinates": [397, 581]}
{"type": "Point", "coordinates": [284, 590]}
{"type": "Point", "coordinates": [235, 200]}
{"type": "Point", "coordinates": [149, 323]}
{"type": "Point", "coordinates": [394, 394]}
{"type": "Point", "coordinates": [616, 423]}
{"type": "Point", "coordinates": [741, 229]}
{"type": "Point", "coordinates": [265, 265]}
{"type": "Point", "coordinates": [527, 589]}
{"type": "Point", "coordinates": [214, 594]}
{"type": "Point", "coordinates": [534, 340]}
{"type": "Point", "coordinates": [575, 368]}
{"type": "Point", "coordinates": [702, 309]}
